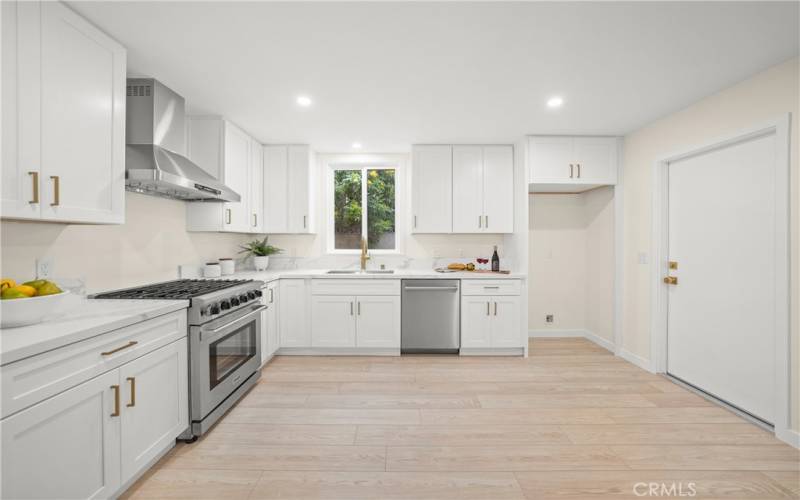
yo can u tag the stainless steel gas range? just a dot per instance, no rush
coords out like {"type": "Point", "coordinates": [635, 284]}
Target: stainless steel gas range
{"type": "Point", "coordinates": [224, 319]}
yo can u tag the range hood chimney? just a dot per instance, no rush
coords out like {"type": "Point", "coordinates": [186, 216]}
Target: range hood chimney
{"type": "Point", "coordinates": [156, 144]}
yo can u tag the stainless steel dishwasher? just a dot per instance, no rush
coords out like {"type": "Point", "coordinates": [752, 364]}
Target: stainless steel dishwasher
{"type": "Point", "coordinates": [431, 316]}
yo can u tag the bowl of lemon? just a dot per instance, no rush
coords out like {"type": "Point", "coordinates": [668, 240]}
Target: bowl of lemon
{"type": "Point", "coordinates": [27, 303]}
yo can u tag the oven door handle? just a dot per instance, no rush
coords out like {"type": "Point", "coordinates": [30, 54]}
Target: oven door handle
{"type": "Point", "coordinates": [227, 326]}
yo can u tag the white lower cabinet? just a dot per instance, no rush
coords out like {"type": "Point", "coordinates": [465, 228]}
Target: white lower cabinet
{"type": "Point", "coordinates": [378, 321]}
{"type": "Point", "coordinates": [333, 321]}
{"type": "Point", "coordinates": [490, 322]}
{"type": "Point", "coordinates": [67, 446]}
{"type": "Point", "coordinates": [155, 405]}
{"type": "Point", "coordinates": [96, 437]}
{"type": "Point", "coordinates": [294, 314]}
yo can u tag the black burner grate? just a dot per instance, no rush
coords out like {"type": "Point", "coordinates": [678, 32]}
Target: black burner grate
{"type": "Point", "coordinates": [178, 289]}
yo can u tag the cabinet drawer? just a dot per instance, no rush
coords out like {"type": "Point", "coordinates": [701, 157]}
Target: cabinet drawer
{"type": "Point", "coordinates": [490, 287]}
{"type": "Point", "coordinates": [34, 379]}
{"type": "Point", "coordinates": [355, 287]}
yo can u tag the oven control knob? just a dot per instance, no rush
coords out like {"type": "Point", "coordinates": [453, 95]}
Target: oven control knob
{"type": "Point", "coordinates": [213, 309]}
{"type": "Point", "coordinates": [224, 305]}
{"type": "Point", "coordinates": [243, 298]}
{"type": "Point", "coordinates": [234, 301]}
{"type": "Point", "coordinates": [258, 293]}
{"type": "Point", "coordinates": [251, 295]}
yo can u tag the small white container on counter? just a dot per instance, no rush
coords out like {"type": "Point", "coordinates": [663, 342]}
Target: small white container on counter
{"type": "Point", "coordinates": [212, 270]}
{"type": "Point", "coordinates": [228, 266]}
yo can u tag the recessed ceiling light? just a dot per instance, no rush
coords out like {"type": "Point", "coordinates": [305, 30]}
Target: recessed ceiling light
{"type": "Point", "coordinates": [356, 145]}
{"type": "Point", "coordinates": [555, 102]}
{"type": "Point", "coordinates": [304, 101]}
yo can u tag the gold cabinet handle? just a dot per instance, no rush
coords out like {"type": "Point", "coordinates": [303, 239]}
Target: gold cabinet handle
{"type": "Point", "coordinates": [112, 351]}
{"type": "Point", "coordinates": [486, 221]}
{"type": "Point", "coordinates": [304, 221]}
{"type": "Point", "coordinates": [56, 191]}
{"type": "Point", "coordinates": [271, 295]}
{"type": "Point", "coordinates": [479, 221]}
{"type": "Point", "coordinates": [671, 280]}
{"type": "Point", "coordinates": [488, 305]}
{"type": "Point", "coordinates": [115, 388]}
{"type": "Point", "coordinates": [415, 221]}
{"type": "Point", "coordinates": [571, 171]}
{"type": "Point", "coordinates": [255, 220]}
{"type": "Point", "coordinates": [495, 308]}
{"type": "Point", "coordinates": [673, 265]}
{"type": "Point", "coordinates": [579, 170]}
{"type": "Point", "coordinates": [351, 308]}
{"type": "Point", "coordinates": [359, 308]}
{"type": "Point", "coordinates": [35, 181]}
{"type": "Point", "coordinates": [132, 381]}
{"type": "Point", "coordinates": [227, 216]}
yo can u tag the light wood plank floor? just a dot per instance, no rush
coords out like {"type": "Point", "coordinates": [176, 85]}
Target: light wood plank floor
{"type": "Point", "coordinates": [570, 422]}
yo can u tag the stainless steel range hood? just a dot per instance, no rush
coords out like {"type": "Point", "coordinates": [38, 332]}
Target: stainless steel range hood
{"type": "Point", "coordinates": [155, 146]}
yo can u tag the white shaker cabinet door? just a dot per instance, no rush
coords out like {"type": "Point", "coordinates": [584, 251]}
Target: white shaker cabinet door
{"type": "Point", "coordinates": [432, 189]}
{"type": "Point", "coordinates": [468, 214]}
{"type": "Point", "coordinates": [155, 404]}
{"type": "Point", "coordinates": [596, 160]}
{"type": "Point", "coordinates": [506, 322]}
{"type": "Point", "coordinates": [293, 318]}
{"type": "Point", "coordinates": [300, 194]}
{"type": "Point", "coordinates": [21, 161]}
{"type": "Point", "coordinates": [549, 159]}
{"type": "Point", "coordinates": [498, 189]}
{"type": "Point", "coordinates": [476, 321]}
{"type": "Point", "coordinates": [236, 176]}
{"type": "Point", "coordinates": [256, 193]}
{"type": "Point", "coordinates": [82, 120]}
{"type": "Point", "coordinates": [67, 446]}
{"type": "Point", "coordinates": [276, 187]}
{"type": "Point", "coordinates": [333, 322]}
{"type": "Point", "coordinates": [378, 321]}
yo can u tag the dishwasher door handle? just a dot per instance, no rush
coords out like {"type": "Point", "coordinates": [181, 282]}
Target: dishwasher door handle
{"type": "Point", "coordinates": [431, 288]}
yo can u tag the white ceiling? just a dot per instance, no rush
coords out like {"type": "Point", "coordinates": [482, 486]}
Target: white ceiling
{"type": "Point", "coordinates": [392, 74]}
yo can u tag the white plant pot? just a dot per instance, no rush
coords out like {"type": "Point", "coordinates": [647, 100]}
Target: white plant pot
{"type": "Point", "coordinates": [261, 262]}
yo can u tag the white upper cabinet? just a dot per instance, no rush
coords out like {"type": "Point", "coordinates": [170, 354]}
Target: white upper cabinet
{"type": "Point", "coordinates": [234, 158]}
{"type": "Point", "coordinates": [58, 70]}
{"type": "Point", "coordinates": [571, 164]}
{"type": "Point", "coordinates": [288, 189]}
{"type": "Point", "coordinates": [432, 189]}
{"type": "Point", "coordinates": [483, 189]}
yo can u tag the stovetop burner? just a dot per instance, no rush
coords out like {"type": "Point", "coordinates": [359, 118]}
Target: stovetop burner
{"type": "Point", "coordinates": [178, 289]}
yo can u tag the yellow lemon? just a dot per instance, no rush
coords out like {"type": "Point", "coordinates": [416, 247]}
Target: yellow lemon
{"type": "Point", "coordinates": [29, 291]}
{"type": "Point", "coordinates": [7, 283]}
{"type": "Point", "coordinates": [12, 293]}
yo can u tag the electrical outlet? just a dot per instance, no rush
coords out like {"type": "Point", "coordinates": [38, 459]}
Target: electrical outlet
{"type": "Point", "coordinates": [549, 318]}
{"type": "Point", "coordinates": [44, 267]}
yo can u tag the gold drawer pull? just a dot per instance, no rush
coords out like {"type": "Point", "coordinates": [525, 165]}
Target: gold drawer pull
{"type": "Point", "coordinates": [132, 380]}
{"type": "Point", "coordinates": [116, 401]}
{"type": "Point", "coordinates": [35, 182]}
{"type": "Point", "coordinates": [112, 351]}
{"type": "Point", "coordinates": [56, 191]}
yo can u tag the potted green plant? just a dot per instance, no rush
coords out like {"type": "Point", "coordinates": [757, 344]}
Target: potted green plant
{"type": "Point", "coordinates": [260, 250]}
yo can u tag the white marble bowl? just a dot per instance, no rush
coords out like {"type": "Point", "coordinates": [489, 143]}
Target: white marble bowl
{"type": "Point", "coordinates": [30, 310]}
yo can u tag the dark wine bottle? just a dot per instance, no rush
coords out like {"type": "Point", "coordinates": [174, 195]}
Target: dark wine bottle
{"type": "Point", "coordinates": [495, 260]}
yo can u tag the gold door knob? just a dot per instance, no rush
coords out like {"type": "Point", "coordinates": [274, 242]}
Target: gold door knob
{"type": "Point", "coordinates": [671, 280]}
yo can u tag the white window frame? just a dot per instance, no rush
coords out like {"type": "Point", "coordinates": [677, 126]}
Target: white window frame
{"type": "Point", "coordinates": [331, 163]}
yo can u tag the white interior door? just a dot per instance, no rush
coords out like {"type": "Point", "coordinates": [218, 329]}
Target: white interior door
{"type": "Point", "coordinates": [721, 331]}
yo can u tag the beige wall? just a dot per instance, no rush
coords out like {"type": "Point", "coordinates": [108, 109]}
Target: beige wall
{"type": "Point", "coordinates": [147, 248]}
{"type": "Point", "coordinates": [571, 262]}
{"type": "Point", "coordinates": [750, 103]}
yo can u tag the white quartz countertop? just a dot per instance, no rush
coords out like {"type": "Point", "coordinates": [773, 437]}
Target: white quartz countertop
{"type": "Point", "coordinates": [79, 319]}
{"type": "Point", "coordinates": [271, 275]}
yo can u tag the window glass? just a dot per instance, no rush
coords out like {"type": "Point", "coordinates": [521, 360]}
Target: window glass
{"type": "Point", "coordinates": [347, 209]}
{"type": "Point", "coordinates": [380, 209]}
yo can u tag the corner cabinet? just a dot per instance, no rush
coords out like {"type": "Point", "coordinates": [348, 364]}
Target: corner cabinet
{"type": "Point", "coordinates": [234, 158]}
{"type": "Point", "coordinates": [483, 189]}
{"type": "Point", "coordinates": [59, 70]}
{"type": "Point", "coordinates": [288, 189]}
{"type": "Point", "coordinates": [96, 435]}
{"type": "Point", "coordinates": [571, 164]}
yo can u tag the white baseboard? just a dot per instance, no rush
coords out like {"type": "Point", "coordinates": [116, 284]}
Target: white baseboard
{"type": "Point", "coordinates": [637, 360]}
{"type": "Point", "coordinates": [578, 333]}
{"type": "Point", "coordinates": [789, 437]}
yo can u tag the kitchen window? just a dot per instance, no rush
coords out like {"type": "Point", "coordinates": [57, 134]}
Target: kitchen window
{"type": "Point", "coordinates": [363, 204]}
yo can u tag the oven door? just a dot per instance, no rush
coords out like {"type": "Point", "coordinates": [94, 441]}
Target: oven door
{"type": "Point", "coordinates": [224, 353]}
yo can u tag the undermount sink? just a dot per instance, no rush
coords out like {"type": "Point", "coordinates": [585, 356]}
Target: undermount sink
{"type": "Point", "coordinates": [356, 271]}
